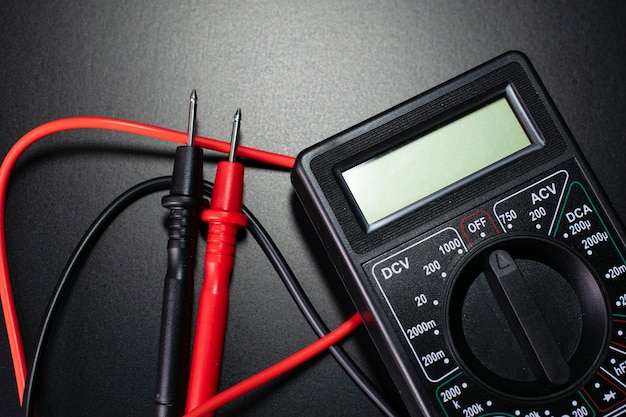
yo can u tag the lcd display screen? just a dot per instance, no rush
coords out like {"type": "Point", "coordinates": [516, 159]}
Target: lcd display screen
{"type": "Point", "coordinates": [422, 167]}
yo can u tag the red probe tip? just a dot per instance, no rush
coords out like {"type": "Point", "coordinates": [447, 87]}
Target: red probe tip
{"type": "Point", "coordinates": [234, 137]}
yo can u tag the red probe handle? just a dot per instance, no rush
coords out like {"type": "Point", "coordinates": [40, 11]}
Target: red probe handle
{"type": "Point", "coordinates": [224, 217]}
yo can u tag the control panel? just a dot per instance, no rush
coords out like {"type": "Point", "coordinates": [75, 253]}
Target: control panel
{"type": "Point", "coordinates": [463, 341]}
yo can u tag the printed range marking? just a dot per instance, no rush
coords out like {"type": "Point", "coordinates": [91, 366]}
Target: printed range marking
{"type": "Point", "coordinates": [450, 395]}
{"type": "Point", "coordinates": [589, 242]}
{"type": "Point", "coordinates": [507, 218]}
{"type": "Point", "coordinates": [439, 355]}
{"type": "Point", "coordinates": [450, 398]}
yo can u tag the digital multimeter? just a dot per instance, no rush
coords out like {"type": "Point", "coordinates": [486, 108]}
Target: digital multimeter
{"type": "Point", "coordinates": [479, 249]}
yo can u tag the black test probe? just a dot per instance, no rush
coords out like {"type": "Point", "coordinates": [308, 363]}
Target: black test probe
{"type": "Point", "coordinates": [185, 203]}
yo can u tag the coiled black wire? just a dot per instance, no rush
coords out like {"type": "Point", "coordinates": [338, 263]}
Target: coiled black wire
{"type": "Point", "coordinates": [104, 219]}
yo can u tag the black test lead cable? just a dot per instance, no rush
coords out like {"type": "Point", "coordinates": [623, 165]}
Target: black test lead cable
{"type": "Point", "coordinates": [185, 203]}
{"type": "Point", "coordinates": [67, 277]}
{"type": "Point", "coordinates": [97, 228]}
{"type": "Point", "coordinates": [311, 315]}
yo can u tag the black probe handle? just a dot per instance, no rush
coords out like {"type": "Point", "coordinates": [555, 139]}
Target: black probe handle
{"type": "Point", "coordinates": [185, 203]}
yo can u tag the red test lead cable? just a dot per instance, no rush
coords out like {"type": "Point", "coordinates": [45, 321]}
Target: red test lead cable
{"type": "Point", "coordinates": [277, 369]}
{"type": "Point", "coordinates": [225, 218]}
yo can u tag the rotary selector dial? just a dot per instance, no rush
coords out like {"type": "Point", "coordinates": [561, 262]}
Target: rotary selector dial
{"type": "Point", "coordinates": [527, 317]}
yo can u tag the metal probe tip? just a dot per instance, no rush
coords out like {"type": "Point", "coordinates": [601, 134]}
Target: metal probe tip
{"type": "Point", "coordinates": [234, 137]}
{"type": "Point", "coordinates": [191, 123]}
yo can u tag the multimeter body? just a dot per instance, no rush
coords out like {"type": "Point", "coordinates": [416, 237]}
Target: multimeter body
{"type": "Point", "coordinates": [481, 252]}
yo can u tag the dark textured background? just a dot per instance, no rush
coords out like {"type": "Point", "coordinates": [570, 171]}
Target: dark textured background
{"type": "Point", "coordinates": [300, 71]}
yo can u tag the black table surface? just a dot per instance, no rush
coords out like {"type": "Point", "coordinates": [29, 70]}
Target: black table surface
{"type": "Point", "coordinates": [300, 71]}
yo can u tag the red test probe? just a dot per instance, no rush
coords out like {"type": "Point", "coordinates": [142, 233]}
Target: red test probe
{"type": "Point", "coordinates": [225, 218]}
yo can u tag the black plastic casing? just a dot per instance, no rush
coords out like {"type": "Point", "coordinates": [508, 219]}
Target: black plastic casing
{"type": "Point", "coordinates": [351, 244]}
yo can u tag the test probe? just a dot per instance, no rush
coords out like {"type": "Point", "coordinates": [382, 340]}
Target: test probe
{"type": "Point", "coordinates": [225, 218]}
{"type": "Point", "coordinates": [184, 203]}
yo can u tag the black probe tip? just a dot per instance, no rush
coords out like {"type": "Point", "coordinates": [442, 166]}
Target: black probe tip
{"type": "Point", "coordinates": [191, 123]}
